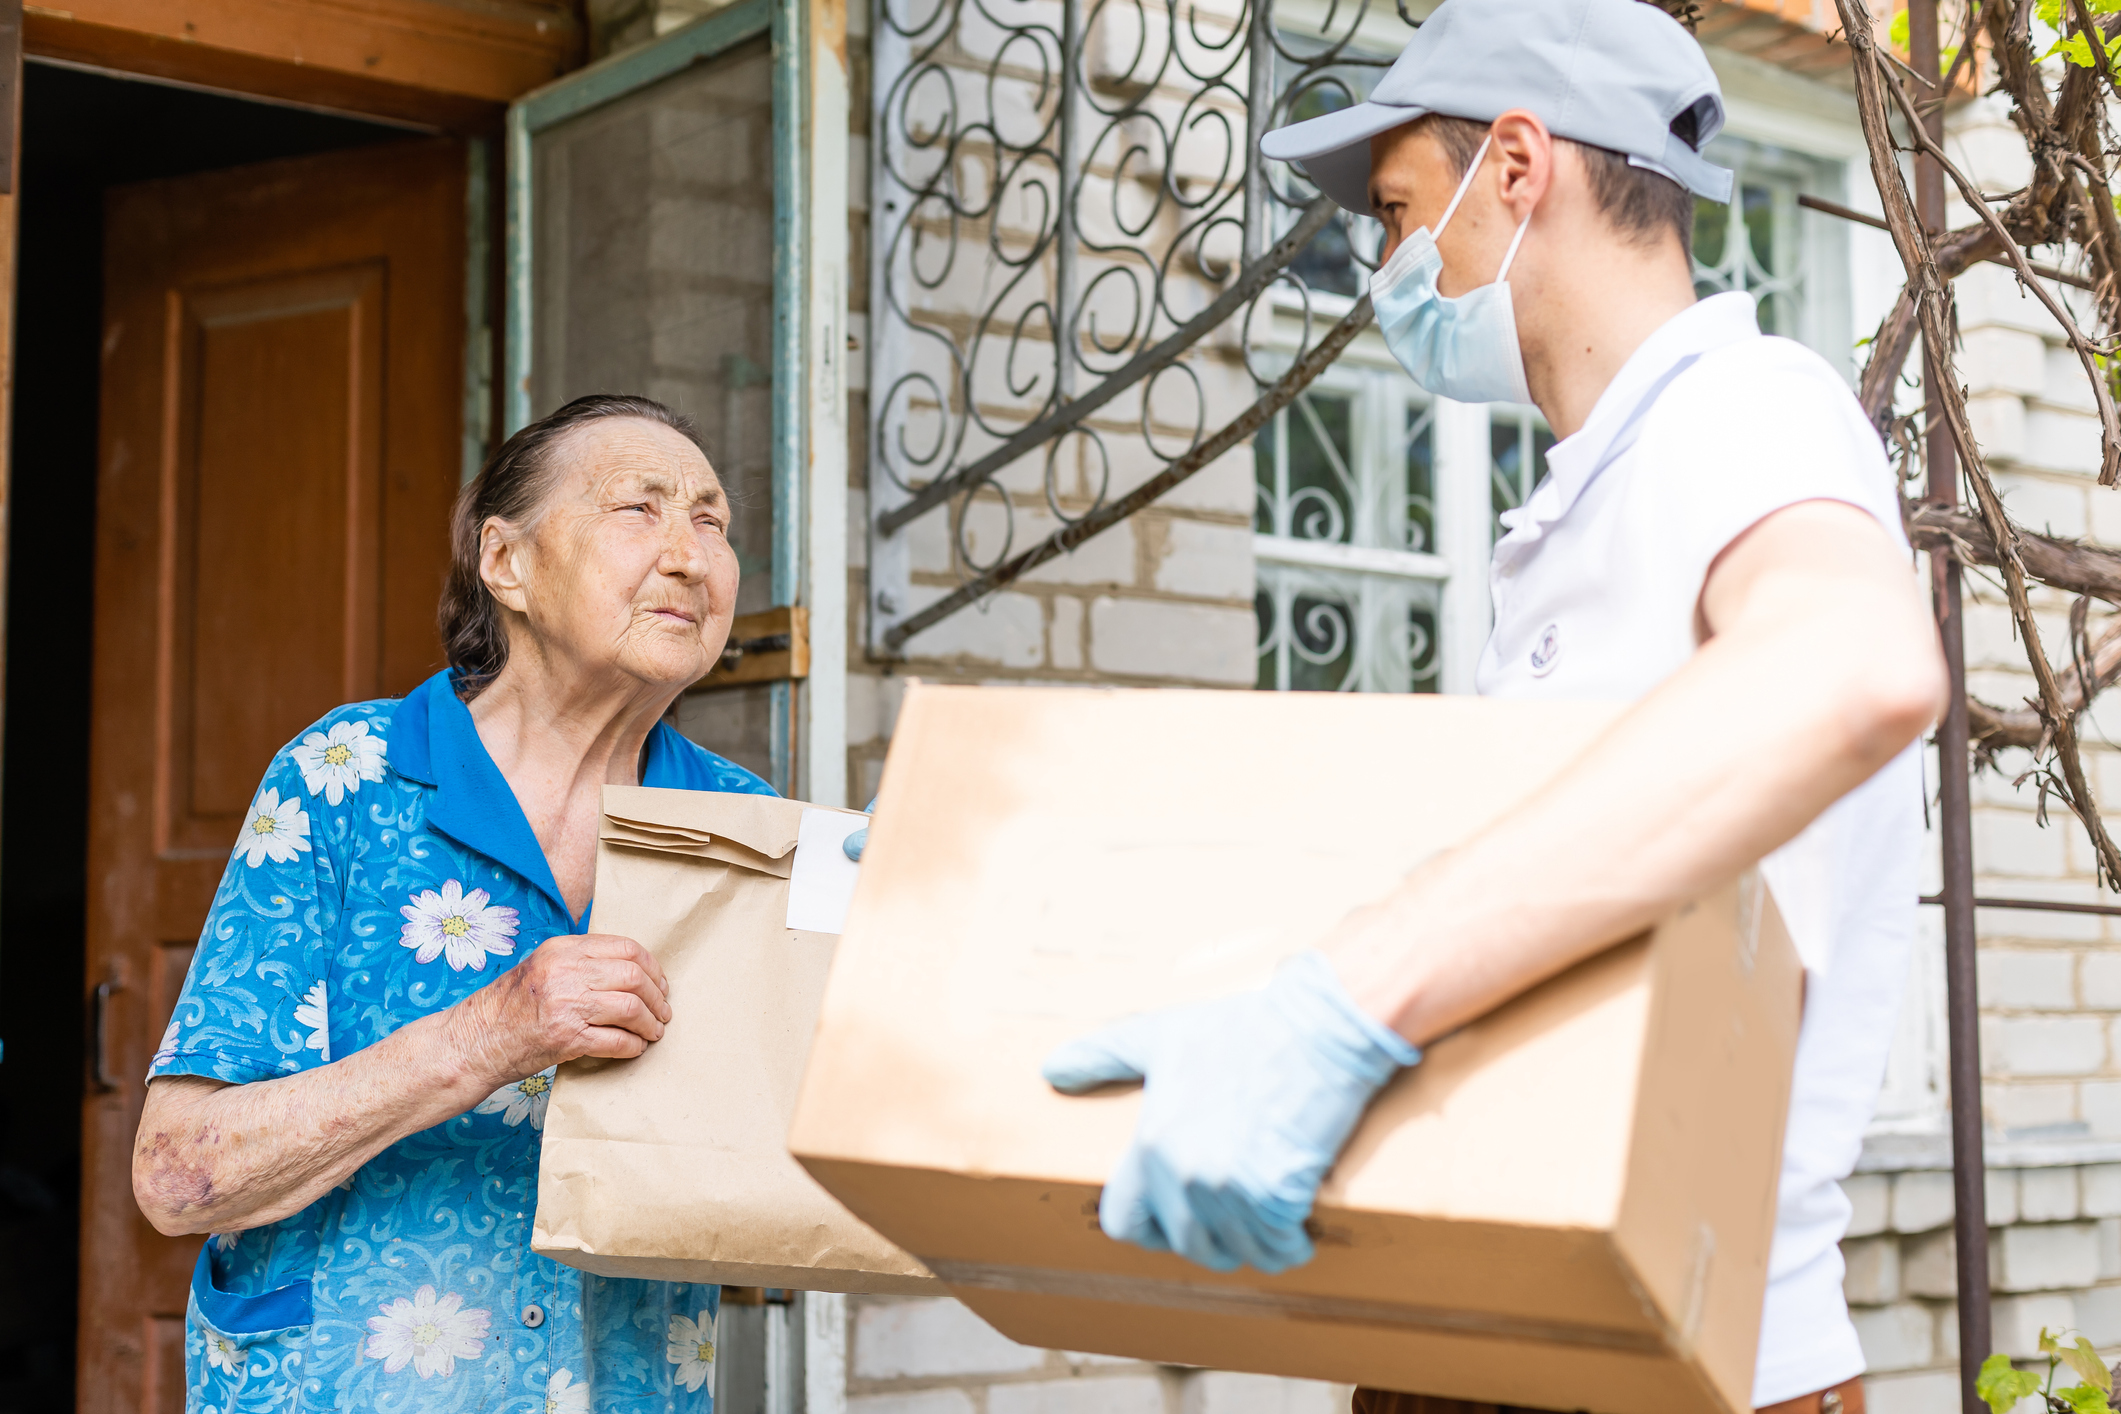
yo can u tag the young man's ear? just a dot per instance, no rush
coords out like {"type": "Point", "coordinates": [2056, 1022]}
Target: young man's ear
{"type": "Point", "coordinates": [1525, 168]}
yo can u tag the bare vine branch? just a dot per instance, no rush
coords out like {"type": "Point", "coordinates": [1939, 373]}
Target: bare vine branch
{"type": "Point", "coordinates": [2109, 423]}
{"type": "Point", "coordinates": [1931, 296]}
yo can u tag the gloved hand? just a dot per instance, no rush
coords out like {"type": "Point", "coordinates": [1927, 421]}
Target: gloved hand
{"type": "Point", "coordinates": [854, 844]}
{"type": "Point", "coordinates": [1248, 1102]}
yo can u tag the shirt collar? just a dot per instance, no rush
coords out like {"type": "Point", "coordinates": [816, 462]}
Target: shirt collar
{"type": "Point", "coordinates": [1575, 462]}
{"type": "Point", "coordinates": [434, 742]}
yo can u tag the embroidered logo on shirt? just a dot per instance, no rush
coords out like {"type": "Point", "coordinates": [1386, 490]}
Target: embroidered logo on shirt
{"type": "Point", "coordinates": [1546, 650]}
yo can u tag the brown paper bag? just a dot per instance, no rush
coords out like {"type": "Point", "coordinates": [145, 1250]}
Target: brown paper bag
{"type": "Point", "coordinates": [1567, 1205]}
{"type": "Point", "coordinates": [675, 1166]}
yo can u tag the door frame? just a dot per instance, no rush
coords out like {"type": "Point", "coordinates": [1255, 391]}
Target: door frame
{"type": "Point", "coordinates": [810, 106]}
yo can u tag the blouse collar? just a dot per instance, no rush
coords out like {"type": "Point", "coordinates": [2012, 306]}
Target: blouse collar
{"type": "Point", "coordinates": [434, 742]}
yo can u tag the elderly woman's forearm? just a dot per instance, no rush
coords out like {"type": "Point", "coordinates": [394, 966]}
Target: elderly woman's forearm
{"type": "Point", "coordinates": [213, 1157]}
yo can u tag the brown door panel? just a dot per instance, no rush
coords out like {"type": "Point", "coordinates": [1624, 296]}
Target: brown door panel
{"type": "Point", "coordinates": [281, 424]}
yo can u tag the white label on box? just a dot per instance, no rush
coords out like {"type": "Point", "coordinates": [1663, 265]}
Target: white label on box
{"type": "Point", "coordinates": [821, 883]}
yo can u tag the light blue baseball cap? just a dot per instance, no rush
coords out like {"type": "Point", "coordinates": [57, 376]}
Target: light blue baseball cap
{"type": "Point", "coordinates": [1617, 74]}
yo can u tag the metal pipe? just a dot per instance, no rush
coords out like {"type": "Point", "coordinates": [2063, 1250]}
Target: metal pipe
{"type": "Point", "coordinates": [2036, 905]}
{"type": "Point", "coordinates": [1955, 824]}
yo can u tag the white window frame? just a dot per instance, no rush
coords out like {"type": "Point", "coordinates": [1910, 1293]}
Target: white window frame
{"type": "Point", "coordinates": [1457, 563]}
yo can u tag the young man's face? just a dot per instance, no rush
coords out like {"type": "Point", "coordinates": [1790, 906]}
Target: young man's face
{"type": "Point", "coordinates": [1411, 181]}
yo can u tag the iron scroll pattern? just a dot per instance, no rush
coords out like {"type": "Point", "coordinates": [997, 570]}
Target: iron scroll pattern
{"type": "Point", "coordinates": [1056, 186]}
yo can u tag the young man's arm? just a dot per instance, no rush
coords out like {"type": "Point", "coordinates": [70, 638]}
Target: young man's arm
{"type": "Point", "coordinates": [1820, 663]}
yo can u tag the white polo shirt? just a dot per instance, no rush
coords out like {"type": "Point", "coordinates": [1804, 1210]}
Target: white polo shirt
{"type": "Point", "coordinates": [1708, 428]}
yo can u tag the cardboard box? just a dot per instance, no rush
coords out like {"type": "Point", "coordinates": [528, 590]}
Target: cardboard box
{"type": "Point", "coordinates": [1567, 1205]}
{"type": "Point", "coordinates": [675, 1166]}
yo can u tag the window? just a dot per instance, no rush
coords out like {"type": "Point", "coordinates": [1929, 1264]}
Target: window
{"type": "Point", "coordinates": [1374, 522]}
{"type": "Point", "coordinates": [1766, 245]}
{"type": "Point", "coordinates": [1345, 530]}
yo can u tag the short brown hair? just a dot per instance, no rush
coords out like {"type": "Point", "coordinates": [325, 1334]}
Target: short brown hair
{"type": "Point", "coordinates": [1636, 200]}
{"type": "Point", "coordinates": [514, 485]}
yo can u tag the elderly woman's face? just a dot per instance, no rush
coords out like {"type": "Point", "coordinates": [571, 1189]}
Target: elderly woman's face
{"type": "Point", "coordinates": [629, 567]}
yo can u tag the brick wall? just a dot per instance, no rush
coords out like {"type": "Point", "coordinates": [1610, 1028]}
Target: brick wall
{"type": "Point", "coordinates": [919, 1355]}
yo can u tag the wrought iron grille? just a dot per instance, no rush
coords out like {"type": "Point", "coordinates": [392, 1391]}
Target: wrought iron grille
{"type": "Point", "coordinates": [1081, 269]}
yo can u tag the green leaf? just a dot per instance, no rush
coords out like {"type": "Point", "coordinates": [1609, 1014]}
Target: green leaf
{"type": "Point", "coordinates": [2050, 12]}
{"type": "Point", "coordinates": [2085, 1361]}
{"type": "Point", "coordinates": [2085, 1399]}
{"type": "Point", "coordinates": [1897, 30]}
{"type": "Point", "coordinates": [2050, 1341]}
{"type": "Point", "coordinates": [2078, 50]}
{"type": "Point", "coordinates": [2003, 1385]}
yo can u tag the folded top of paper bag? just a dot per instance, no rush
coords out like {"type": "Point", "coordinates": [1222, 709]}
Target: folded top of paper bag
{"type": "Point", "coordinates": [754, 831]}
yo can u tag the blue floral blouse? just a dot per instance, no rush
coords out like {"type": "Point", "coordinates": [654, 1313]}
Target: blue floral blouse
{"type": "Point", "coordinates": [386, 872]}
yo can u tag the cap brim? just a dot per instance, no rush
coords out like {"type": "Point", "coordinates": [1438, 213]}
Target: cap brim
{"type": "Point", "coordinates": [1333, 149]}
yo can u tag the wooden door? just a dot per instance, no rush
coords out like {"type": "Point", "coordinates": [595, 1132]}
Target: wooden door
{"type": "Point", "coordinates": [280, 443]}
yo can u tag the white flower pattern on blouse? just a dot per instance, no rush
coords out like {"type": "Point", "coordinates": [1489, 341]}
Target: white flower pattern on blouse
{"type": "Point", "coordinates": [564, 1396]}
{"type": "Point", "coordinates": [221, 1352]}
{"type": "Point", "coordinates": [336, 761]}
{"type": "Point", "coordinates": [526, 1099]}
{"type": "Point", "coordinates": [462, 926]}
{"type": "Point", "coordinates": [312, 1014]}
{"type": "Point", "coordinates": [277, 830]}
{"type": "Point", "coordinates": [428, 1333]}
{"type": "Point", "coordinates": [691, 1349]}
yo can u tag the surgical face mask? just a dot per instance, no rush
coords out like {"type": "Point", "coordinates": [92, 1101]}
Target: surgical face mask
{"type": "Point", "coordinates": [1462, 348]}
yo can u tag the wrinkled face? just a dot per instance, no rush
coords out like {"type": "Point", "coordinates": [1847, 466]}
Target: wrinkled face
{"type": "Point", "coordinates": [628, 568]}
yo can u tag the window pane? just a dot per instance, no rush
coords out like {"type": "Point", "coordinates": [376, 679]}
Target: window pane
{"type": "Point", "coordinates": [1421, 478]}
{"type": "Point", "coordinates": [1758, 210]}
{"type": "Point", "coordinates": [1321, 642]}
{"type": "Point", "coordinates": [1421, 650]}
{"type": "Point", "coordinates": [1321, 500]}
{"type": "Point", "coordinates": [1518, 443]}
{"type": "Point", "coordinates": [1328, 262]}
{"type": "Point", "coordinates": [1712, 220]}
{"type": "Point", "coordinates": [653, 271]}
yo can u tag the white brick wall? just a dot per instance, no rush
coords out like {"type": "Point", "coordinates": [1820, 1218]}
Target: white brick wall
{"type": "Point", "coordinates": [2054, 1260]}
{"type": "Point", "coordinates": [930, 1355]}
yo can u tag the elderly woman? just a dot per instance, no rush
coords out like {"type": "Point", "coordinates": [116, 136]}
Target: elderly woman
{"type": "Point", "coordinates": [351, 1095]}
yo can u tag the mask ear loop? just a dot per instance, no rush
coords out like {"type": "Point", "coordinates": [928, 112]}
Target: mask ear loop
{"type": "Point", "coordinates": [1465, 184]}
{"type": "Point", "coordinates": [1511, 254]}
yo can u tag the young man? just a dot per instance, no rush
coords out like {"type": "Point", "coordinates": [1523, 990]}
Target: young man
{"type": "Point", "coordinates": [1717, 537]}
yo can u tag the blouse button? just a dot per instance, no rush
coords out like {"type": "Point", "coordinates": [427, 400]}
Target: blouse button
{"type": "Point", "coordinates": [533, 1316]}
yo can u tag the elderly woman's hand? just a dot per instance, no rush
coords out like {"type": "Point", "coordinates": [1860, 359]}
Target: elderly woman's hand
{"type": "Point", "coordinates": [587, 995]}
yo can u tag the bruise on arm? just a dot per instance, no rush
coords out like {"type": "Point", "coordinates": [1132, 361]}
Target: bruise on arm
{"type": "Point", "coordinates": [211, 1156]}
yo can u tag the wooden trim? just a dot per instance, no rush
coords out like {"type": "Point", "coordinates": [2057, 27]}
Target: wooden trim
{"type": "Point", "coordinates": [442, 64]}
{"type": "Point", "coordinates": [773, 646]}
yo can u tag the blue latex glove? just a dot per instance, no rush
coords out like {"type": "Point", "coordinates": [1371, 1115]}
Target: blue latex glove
{"type": "Point", "coordinates": [855, 843]}
{"type": "Point", "coordinates": [1248, 1102]}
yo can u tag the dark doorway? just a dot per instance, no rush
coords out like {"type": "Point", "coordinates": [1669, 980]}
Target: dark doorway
{"type": "Point", "coordinates": [82, 133]}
